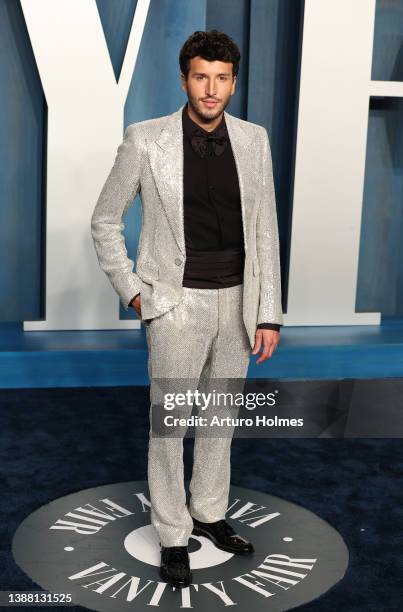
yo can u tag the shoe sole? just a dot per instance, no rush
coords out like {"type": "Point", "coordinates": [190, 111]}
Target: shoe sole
{"type": "Point", "coordinates": [207, 534]}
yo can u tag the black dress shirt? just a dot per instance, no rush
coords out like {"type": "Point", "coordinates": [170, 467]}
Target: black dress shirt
{"type": "Point", "coordinates": [212, 209]}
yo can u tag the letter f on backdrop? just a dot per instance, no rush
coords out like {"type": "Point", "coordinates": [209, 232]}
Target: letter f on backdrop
{"type": "Point", "coordinates": [85, 127]}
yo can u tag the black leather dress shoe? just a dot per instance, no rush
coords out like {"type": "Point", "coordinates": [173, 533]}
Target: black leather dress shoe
{"type": "Point", "coordinates": [223, 536]}
{"type": "Point", "coordinates": [175, 569]}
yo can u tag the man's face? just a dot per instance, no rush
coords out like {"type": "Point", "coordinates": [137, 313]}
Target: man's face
{"type": "Point", "coordinates": [208, 81]}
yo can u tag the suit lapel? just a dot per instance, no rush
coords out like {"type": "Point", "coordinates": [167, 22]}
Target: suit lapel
{"type": "Point", "coordinates": [166, 160]}
{"type": "Point", "coordinates": [245, 160]}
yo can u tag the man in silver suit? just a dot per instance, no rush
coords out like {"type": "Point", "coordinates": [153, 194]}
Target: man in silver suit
{"type": "Point", "coordinates": [207, 279]}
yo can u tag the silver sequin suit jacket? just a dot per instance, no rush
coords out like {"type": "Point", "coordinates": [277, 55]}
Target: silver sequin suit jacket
{"type": "Point", "coordinates": [149, 162]}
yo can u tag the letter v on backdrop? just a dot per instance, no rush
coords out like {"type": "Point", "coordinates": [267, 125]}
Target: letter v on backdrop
{"type": "Point", "coordinates": [85, 127]}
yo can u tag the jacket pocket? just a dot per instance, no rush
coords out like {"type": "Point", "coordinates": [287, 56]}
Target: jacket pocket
{"type": "Point", "coordinates": [148, 272]}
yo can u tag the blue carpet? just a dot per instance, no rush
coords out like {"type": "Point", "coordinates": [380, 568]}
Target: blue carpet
{"type": "Point", "coordinates": [57, 441]}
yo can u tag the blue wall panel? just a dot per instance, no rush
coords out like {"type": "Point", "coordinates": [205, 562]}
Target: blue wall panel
{"type": "Point", "coordinates": [380, 272]}
{"type": "Point", "coordinates": [156, 87]}
{"type": "Point", "coordinates": [387, 62]}
{"type": "Point", "coordinates": [22, 125]}
{"type": "Point", "coordinates": [269, 35]}
{"type": "Point", "coordinates": [116, 18]}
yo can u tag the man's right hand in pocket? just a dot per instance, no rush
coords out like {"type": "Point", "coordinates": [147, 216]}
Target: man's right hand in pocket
{"type": "Point", "coordinates": [136, 304]}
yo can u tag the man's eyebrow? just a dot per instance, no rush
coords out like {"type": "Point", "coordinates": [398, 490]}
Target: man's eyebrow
{"type": "Point", "coordinates": [204, 74]}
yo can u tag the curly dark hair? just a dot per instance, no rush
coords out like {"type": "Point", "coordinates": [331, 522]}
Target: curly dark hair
{"type": "Point", "coordinates": [211, 45]}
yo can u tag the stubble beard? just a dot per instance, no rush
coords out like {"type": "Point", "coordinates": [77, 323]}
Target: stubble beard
{"type": "Point", "coordinates": [205, 115]}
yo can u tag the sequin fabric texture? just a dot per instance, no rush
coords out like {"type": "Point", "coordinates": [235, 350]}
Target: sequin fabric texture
{"type": "Point", "coordinates": [149, 162]}
{"type": "Point", "coordinates": [201, 339]}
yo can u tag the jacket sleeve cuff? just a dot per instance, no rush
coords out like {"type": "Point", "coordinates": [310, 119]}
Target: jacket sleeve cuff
{"type": "Point", "coordinates": [275, 326]}
{"type": "Point", "coordinates": [127, 285]}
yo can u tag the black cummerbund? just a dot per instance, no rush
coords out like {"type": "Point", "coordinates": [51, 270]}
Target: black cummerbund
{"type": "Point", "coordinates": [214, 269]}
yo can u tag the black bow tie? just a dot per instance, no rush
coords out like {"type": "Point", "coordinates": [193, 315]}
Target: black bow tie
{"type": "Point", "coordinates": [200, 138]}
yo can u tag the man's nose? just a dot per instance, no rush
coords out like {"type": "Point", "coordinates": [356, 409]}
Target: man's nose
{"type": "Point", "coordinates": [210, 88]}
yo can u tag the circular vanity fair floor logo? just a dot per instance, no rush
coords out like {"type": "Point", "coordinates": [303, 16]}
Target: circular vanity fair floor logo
{"type": "Point", "coordinates": [99, 546]}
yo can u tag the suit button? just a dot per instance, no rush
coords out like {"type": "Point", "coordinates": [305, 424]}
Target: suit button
{"type": "Point", "coordinates": [178, 261]}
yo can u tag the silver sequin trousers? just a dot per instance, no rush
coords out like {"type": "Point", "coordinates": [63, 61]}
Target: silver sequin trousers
{"type": "Point", "coordinates": [202, 337]}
